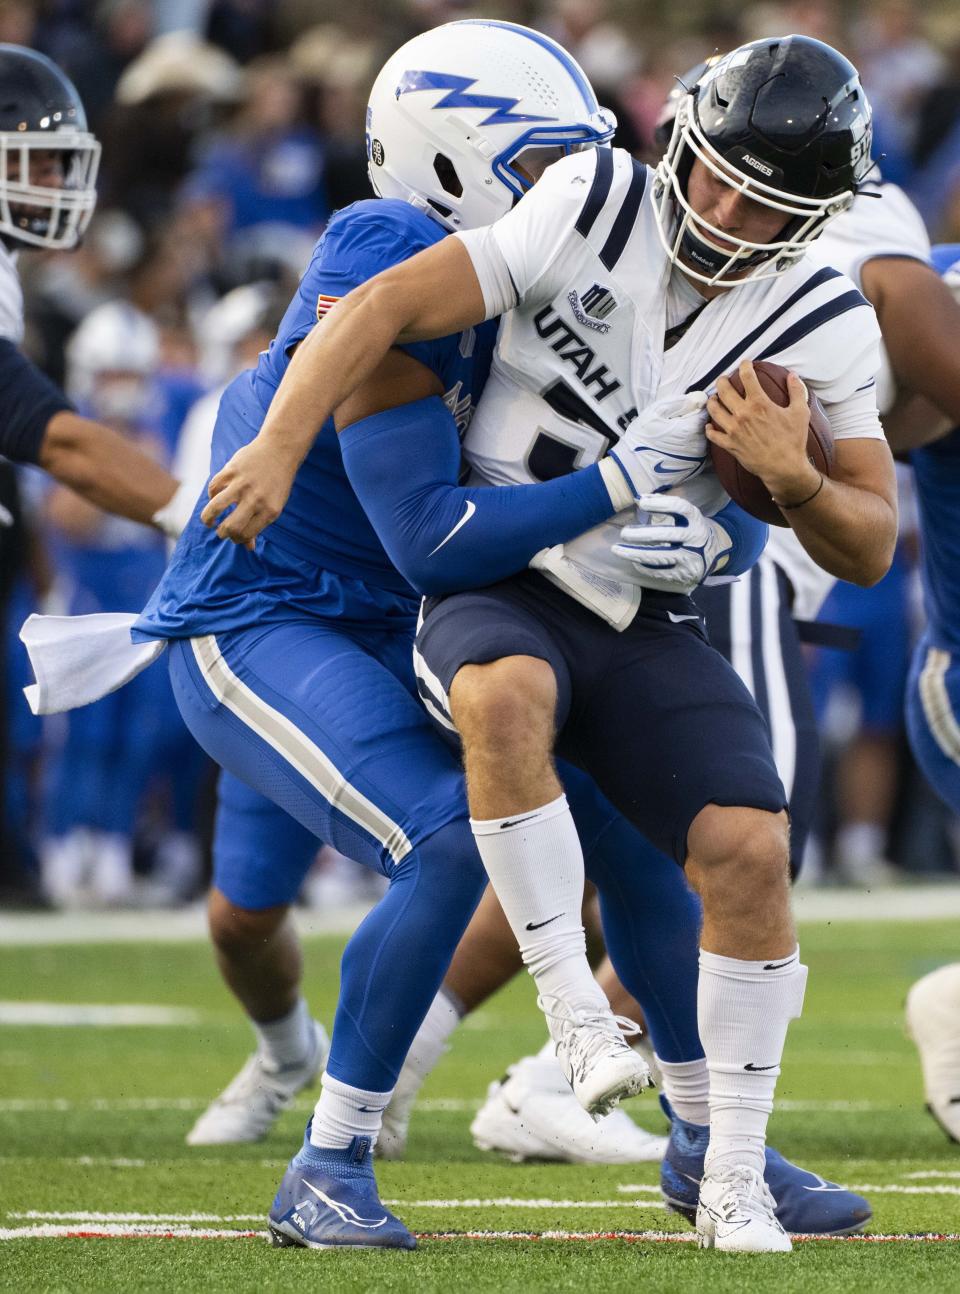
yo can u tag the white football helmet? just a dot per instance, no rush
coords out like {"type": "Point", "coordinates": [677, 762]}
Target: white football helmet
{"type": "Point", "coordinates": [461, 117]}
{"type": "Point", "coordinates": [110, 360]}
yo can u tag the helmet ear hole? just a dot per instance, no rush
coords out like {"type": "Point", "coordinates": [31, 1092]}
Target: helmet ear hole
{"type": "Point", "coordinates": [447, 175]}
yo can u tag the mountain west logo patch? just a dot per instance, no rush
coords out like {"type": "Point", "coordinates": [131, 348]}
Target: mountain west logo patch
{"type": "Point", "coordinates": [593, 307]}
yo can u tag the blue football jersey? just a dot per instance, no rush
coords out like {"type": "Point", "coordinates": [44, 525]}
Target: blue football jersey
{"type": "Point", "coordinates": [321, 556]}
{"type": "Point", "coordinates": [937, 472]}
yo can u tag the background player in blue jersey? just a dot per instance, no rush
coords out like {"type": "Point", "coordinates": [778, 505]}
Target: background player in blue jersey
{"type": "Point", "coordinates": [933, 689]}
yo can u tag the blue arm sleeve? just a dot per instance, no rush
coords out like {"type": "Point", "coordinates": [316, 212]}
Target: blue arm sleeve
{"type": "Point", "coordinates": [444, 538]}
{"type": "Point", "coordinates": [748, 536]}
{"type": "Point", "coordinates": [28, 400]}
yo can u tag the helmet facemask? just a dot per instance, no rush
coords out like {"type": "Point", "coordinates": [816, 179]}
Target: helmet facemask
{"type": "Point", "coordinates": [688, 237]}
{"type": "Point", "coordinates": [43, 215]}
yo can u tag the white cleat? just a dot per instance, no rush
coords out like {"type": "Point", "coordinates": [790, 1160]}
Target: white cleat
{"type": "Point", "coordinates": [248, 1107]}
{"type": "Point", "coordinates": [531, 1113]}
{"type": "Point", "coordinates": [736, 1214]}
{"type": "Point", "coordinates": [593, 1055]}
{"type": "Point", "coordinates": [933, 1022]}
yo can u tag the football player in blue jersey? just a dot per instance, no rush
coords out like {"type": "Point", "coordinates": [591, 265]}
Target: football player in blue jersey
{"type": "Point", "coordinates": [292, 663]}
{"type": "Point", "coordinates": [48, 170]}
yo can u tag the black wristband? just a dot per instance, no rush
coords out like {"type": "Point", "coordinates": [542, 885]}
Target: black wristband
{"type": "Point", "coordinates": [789, 507]}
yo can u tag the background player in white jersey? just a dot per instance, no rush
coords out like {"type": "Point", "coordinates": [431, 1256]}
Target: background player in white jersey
{"type": "Point", "coordinates": [48, 171]}
{"type": "Point", "coordinates": [727, 230]}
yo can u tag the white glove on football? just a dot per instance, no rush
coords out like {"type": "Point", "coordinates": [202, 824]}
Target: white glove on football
{"type": "Point", "coordinates": [677, 547]}
{"type": "Point", "coordinates": [663, 447]}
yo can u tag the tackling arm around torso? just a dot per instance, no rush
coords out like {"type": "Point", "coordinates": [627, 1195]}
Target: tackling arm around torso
{"type": "Point", "coordinates": [432, 294]}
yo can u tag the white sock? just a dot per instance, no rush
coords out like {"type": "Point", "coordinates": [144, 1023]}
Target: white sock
{"type": "Point", "coordinates": [743, 1010]}
{"type": "Point", "coordinates": [344, 1112]}
{"type": "Point", "coordinates": [287, 1041]}
{"type": "Point", "coordinates": [535, 864]}
{"type": "Point", "coordinates": [686, 1085]}
{"type": "Point", "coordinates": [427, 1047]}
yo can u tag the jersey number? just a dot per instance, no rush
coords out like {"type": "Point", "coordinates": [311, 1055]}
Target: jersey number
{"type": "Point", "coordinates": [550, 455]}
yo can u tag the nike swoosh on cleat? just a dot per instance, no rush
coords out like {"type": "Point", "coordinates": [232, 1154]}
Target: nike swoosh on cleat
{"type": "Point", "coordinates": [536, 925]}
{"type": "Point", "coordinates": [516, 821]}
{"type": "Point", "coordinates": [756, 1069]}
{"type": "Point", "coordinates": [343, 1211]}
{"type": "Point", "coordinates": [468, 512]}
{"type": "Point", "coordinates": [777, 965]}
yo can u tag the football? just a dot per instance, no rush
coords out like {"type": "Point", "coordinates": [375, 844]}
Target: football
{"type": "Point", "coordinates": [745, 488]}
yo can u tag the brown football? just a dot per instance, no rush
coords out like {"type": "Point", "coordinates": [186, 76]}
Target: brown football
{"type": "Point", "coordinates": [745, 488]}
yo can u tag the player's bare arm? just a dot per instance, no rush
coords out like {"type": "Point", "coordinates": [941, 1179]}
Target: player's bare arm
{"type": "Point", "coordinates": [920, 321]}
{"type": "Point", "coordinates": [433, 294]}
{"type": "Point", "coordinates": [848, 522]}
{"type": "Point", "coordinates": [107, 469]}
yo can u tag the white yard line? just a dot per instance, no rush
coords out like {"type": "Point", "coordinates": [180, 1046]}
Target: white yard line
{"type": "Point", "coordinates": [895, 903]}
{"type": "Point", "coordinates": [186, 925]}
{"type": "Point", "coordinates": [98, 1015]}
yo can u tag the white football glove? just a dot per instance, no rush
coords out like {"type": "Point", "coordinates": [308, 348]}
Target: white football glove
{"type": "Point", "coordinates": [676, 548]}
{"type": "Point", "coordinates": [663, 447]}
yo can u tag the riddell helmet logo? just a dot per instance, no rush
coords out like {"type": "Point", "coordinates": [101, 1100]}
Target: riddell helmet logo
{"type": "Point", "coordinates": [757, 166]}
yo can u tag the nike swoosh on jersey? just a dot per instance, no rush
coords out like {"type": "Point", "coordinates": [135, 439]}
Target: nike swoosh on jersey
{"type": "Point", "coordinates": [468, 512]}
{"type": "Point", "coordinates": [677, 619]}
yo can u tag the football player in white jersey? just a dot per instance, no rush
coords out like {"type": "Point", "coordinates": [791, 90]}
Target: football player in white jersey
{"type": "Point", "coordinates": [765, 151]}
{"type": "Point", "coordinates": [758, 622]}
{"type": "Point", "coordinates": [48, 171]}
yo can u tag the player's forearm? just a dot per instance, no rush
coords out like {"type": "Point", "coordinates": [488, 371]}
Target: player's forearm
{"type": "Point", "coordinates": [105, 468]}
{"type": "Point", "coordinates": [403, 465]}
{"type": "Point", "coordinates": [848, 531]}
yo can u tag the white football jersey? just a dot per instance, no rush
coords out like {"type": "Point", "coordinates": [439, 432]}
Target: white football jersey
{"type": "Point", "coordinates": [590, 292]}
{"type": "Point", "coordinates": [882, 222]}
{"type": "Point", "coordinates": [11, 297]}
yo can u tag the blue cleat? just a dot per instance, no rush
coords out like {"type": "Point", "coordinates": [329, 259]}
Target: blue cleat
{"type": "Point", "coordinates": [328, 1200]}
{"type": "Point", "coordinates": [806, 1203]}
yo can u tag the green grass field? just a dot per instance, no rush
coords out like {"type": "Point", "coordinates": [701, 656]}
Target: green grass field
{"type": "Point", "coordinates": [92, 1121]}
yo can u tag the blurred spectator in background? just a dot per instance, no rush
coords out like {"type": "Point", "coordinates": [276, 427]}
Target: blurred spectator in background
{"type": "Point", "coordinates": [175, 92]}
{"type": "Point", "coordinates": [264, 174]}
{"type": "Point", "coordinates": [935, 186]}
{"type": "Point", "coordinates": [897, 64]}
{"type": "Point", "coordinates": [337, 69]}
{"type": "Point", "coordinates": [108, 754]}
